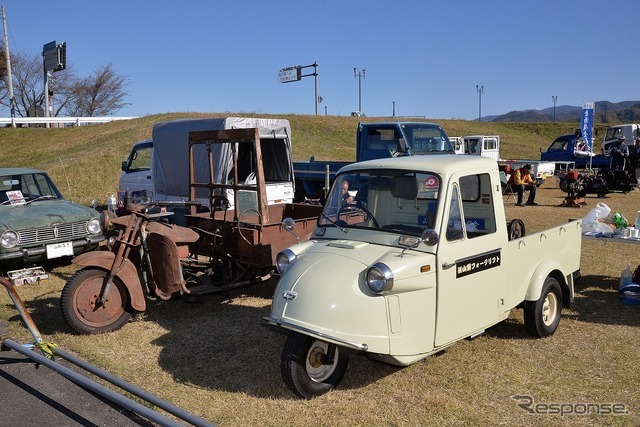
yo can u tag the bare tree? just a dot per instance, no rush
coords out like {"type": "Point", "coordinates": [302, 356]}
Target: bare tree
{"type": "Point", "coordinates": [27, 76]}
{"type": "Point", "coordinates": [100, 94]}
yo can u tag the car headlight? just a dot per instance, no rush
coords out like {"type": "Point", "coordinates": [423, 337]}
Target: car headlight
{"type": "Point", "coordinates": [284, 259]}
{"type": "Point", "coordinates": [93, 226]}
{"type": "Point", "coordinates": [379, 278]}
{"type": "Point", "coordinates": [9, 239]}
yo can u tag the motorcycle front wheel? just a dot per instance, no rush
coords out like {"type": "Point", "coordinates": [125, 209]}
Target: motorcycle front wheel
{"type": "Point", "coordinates": [80, 307]}
{"type": "Point", "coordinates": [307, 368]}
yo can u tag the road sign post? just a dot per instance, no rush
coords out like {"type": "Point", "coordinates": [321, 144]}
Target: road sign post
{"type": "Point", "coordinates": [293, 74]}
{"type": "Point", "coordinates": [54, 58]}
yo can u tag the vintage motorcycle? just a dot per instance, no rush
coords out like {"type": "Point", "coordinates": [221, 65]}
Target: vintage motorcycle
{"type": "Point", "coordinates": [145, 257]}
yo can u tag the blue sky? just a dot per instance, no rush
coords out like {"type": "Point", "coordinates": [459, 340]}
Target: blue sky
{"type": "Point", "coordinates": [427, 57]}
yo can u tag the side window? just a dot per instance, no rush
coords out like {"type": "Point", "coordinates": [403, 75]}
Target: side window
{"type": "Point", "coordinates": [477, 206]}
{"type": "Point", "coordinates": [141, 159]}
{"type": "Point", "coordinates": [454, 222]}
{"type": "Point", "coordinates": [470, 187]}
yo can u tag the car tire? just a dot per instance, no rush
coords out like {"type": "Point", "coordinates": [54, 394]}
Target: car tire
{"type": "Point", "coordinates": [303, 369]}
{"type": "Point", "coordinates": [541, 317]}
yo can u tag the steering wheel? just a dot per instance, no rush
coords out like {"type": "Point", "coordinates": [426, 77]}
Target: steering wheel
{"type": "Point", "coordinates": [353, 208]}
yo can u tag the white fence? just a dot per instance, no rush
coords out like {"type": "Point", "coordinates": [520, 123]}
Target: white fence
{"type": "Point", "coordinates": [16, 121]}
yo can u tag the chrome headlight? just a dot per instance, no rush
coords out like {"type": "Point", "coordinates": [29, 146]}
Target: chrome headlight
{"type": "Point", "coordinates": [93, 226]}
{"type": "Point", "coordinates": [379, 278]}
{"type": "Point", "coordinates": [9, 239]}
{"type": "Point", "coordinates": [284, 259]}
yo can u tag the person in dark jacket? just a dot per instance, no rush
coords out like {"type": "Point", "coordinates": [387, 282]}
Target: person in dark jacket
{"type": "Point", "coordinates": [619, 153]}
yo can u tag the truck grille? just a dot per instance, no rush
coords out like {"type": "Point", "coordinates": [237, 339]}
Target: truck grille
{"type": "Point", "coordinates": [51, 233]}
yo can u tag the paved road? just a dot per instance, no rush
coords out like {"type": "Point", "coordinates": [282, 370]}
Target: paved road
{"type": "Point", "coordinates": [39, 396]}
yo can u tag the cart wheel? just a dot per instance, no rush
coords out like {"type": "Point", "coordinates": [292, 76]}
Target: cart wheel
{"type": "Point", "coordinates": [305, 368]}
{"type": "Point", "coordinates": [515, 229]}
{"type": "Point", "coordinates": [541, 317]}
{"type": "Point", "coordinates": [79, 303]}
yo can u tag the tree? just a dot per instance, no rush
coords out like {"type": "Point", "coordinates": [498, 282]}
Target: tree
{"type": "Point", "coordinates": [27, 77]}
{"type": "Point", "coordinates": [100, 94]}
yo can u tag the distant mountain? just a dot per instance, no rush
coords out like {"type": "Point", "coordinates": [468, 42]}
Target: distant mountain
{"type": "Point", "coordinates": [605, 112]}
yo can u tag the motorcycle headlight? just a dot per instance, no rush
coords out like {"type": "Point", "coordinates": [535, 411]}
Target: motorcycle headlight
{"type": "Point", "coordinates": [93, 226]}
{"type": "Point", "coordinates": [284, 259]}
{"type": "Point", "coordinates": [379, 278]}
{"type": "Point", "coordinates": [9, 239]}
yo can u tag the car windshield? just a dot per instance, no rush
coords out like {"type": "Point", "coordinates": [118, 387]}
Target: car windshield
{"type": "Point", "coordinates": [426, 139]}
{"type": "Point", "coordinates": [18, 189]}
{"type": "Point", "coordinates": [389, 200]}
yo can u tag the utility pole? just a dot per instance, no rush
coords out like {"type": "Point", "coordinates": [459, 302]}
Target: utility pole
{"type": "Point", "coordinates": [360, 76]}
{"type": "Point", "coordinates": [480, 89]}
{"type": "Point", "coordinates": [12, 101]}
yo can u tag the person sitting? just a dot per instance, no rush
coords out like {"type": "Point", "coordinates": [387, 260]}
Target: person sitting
{"type": "Point", "coordinates": [582, 146]}
{"type": "Point", "coordinates": [521, 181]}
{"type": "Point", "coordinates": [345, 197]}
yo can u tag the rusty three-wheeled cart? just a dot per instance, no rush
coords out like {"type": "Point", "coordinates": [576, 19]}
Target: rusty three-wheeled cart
{"type": "Point", "coordinates": [231, 238]}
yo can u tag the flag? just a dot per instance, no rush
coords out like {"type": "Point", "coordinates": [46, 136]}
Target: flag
{"type": "Point", "coordinates": [586, 123]}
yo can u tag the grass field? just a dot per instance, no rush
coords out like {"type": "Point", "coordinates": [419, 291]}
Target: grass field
{"type": "Point", "coordinates": [218, 360]}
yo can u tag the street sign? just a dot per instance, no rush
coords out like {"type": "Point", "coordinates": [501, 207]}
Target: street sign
{"type": "Point", "coordinates": [54, 56]}
{"type": "Point", "coordinates": [50, 55]}
{"type": "Point", "coordinates": [289, 74]}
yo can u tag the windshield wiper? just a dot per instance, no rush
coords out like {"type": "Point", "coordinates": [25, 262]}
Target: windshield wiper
{"type": "Point", "coordinates": [344, 230]}
{"type": "Point", "coordinates": [45, 197]}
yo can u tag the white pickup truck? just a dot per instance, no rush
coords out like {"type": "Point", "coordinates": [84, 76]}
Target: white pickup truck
{"type": "Point", "coordinates": [415, 256]}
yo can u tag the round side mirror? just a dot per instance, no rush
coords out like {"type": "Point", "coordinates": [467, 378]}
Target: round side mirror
{"type": "Point", "coordinates": [288, 224]}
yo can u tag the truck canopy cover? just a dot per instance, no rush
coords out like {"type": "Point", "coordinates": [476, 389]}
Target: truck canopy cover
{"type": "Point", "coordinates": [171, 145]}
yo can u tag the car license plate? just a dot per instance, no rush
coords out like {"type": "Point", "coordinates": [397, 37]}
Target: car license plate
{"type": "Point", "coordinates": [57, 250]}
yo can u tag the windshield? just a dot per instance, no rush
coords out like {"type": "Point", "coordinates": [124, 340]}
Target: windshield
{"type": "Point", "coordinates": [21, 188]}
{"type": "Point", "coordinates": [426, 139]}
{"type": "Point", "coordinates": [390, 200]}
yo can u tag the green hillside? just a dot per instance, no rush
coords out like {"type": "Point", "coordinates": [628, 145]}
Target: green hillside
{"type": "Point", "coordinates": [85, 161]}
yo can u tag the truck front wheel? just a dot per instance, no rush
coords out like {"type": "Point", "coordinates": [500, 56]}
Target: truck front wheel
{"type": "Point", "coordinates": [311, 367]}
{"type": "Point", "coordinates": [541, 317]}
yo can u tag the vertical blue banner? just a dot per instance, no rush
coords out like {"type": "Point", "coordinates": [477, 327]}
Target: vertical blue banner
{"type": "Point", "coordinates": [586, 123]}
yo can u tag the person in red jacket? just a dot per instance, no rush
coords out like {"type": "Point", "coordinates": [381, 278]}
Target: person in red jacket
{"type": "Point", "coordinates": [521, 181]}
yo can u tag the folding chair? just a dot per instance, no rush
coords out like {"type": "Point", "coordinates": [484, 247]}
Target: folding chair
{"type": "Point", "coordinates": [506, 187]}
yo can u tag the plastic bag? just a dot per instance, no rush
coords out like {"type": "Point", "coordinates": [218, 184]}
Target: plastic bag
{"type": "Point", "coordinates": [597, 219]}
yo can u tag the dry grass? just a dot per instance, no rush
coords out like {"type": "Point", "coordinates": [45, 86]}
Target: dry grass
{"type": "Point", "coordinates": [218, 360]}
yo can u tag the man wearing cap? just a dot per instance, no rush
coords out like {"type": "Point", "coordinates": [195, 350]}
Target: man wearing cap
{"type": "Point", "coordinates": [521, 180]}
{"type": "Point", "coordinates": [619, 153]}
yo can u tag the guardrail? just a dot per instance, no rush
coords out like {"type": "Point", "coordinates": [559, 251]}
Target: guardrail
{"type": "Point", "coordinates": [13, 121]}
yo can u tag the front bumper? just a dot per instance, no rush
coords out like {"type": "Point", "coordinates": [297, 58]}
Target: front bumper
{"type": "Point", "coordinates": [27, 254]}
{"type": "Point", "coordinates": [276, 320]}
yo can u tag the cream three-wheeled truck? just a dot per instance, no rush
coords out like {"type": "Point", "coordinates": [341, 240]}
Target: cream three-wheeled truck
{"type": "Point", "coordinates": [415, 256]}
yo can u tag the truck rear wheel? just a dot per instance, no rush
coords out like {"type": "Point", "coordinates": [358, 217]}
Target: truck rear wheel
{"type": "Point", "coordinates": [541, 317]}
{"type": "Point", "coordinates": [306, 369]}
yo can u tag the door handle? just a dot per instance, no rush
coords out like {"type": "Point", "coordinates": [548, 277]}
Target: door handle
{"type": "Point", "coordinates": [446, 265]}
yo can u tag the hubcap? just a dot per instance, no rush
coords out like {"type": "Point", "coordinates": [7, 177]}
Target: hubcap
{"type": "Point", "coordinates": [549, 308]}
{"type": "Point", "coordinates": [316, 369]}
{"type": "Point", "coordinates": [89, 310]}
